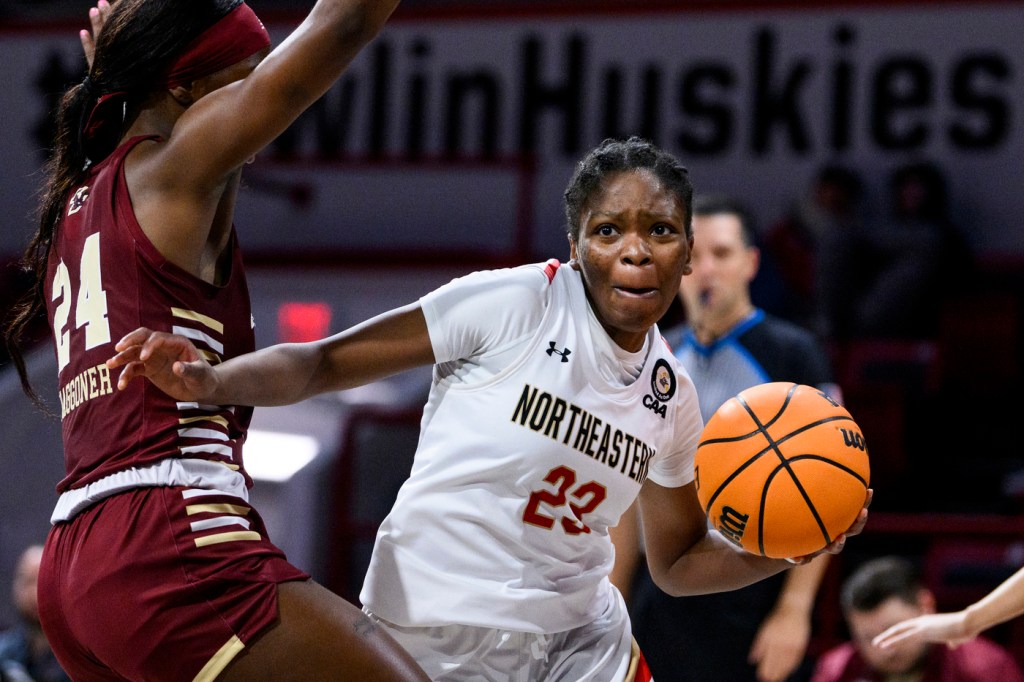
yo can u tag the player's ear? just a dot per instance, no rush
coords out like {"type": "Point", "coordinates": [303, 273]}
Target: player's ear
{"type": "Point", "coordinates": [182, 95]}
{"type": "Point", "coordinates": [688, 266]}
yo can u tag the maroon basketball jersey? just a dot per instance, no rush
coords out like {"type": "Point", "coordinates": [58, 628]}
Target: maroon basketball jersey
{"type": "Point", "coordinates": [104, 279]}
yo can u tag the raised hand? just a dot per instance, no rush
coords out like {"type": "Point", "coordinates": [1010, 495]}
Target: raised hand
{"type": "Point", "coordinates": [97, 17]}
{"type": "Point", "coordinates": [170, 361]}
{"type": "Point", "coordinates": [950, 628]}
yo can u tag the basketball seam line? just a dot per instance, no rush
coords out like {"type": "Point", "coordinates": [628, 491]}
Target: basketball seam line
{"type": "Point", "coordinates": [834, 463]}
{"type": "Point", "coordinates": [774, 446]}
{"type": "Point", "coordinates": [740, 469]}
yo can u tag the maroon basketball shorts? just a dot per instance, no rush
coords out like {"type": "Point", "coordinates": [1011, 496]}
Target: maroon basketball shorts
{"type": "Point", "coordinates": [159, 584]}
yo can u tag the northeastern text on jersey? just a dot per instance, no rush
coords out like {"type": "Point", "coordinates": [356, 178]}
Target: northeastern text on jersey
{"type": "Point", "coordinates": [570, 424]}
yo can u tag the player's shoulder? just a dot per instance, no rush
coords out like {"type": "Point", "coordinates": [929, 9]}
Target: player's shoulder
{"type": "Point", "coordinates": [665, 350]}
{"type": "Point", "coordinates": [533, 277]}
{"type": "Point", "coordinates": [531, 283]}
{"type": "Point", "coordinates": [518, 295]}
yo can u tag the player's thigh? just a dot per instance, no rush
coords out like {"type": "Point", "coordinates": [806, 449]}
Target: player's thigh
{"type": "Point", "coordinates": [600, 651]}
{"type": "Point", "coordinates": [457, 652]}
{"type": "Point", "coordinates": [321, 636]}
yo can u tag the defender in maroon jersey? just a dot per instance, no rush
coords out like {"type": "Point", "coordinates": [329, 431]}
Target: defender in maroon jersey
{"type": "Point", "coordinates": [157, 567]}
{"type": "Point", "coordinates": [103, 268]}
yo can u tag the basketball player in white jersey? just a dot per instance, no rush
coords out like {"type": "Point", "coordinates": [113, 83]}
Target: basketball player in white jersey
{"type": "Point", "coordinates": [555, 403]}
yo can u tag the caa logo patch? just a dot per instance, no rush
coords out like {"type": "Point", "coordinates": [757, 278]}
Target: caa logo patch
{"type": "Point", "coordinates": [663, 380]}
{"type": "Point", "coordinates": [663, 385]}
{"type": "Point", "coordinates": [654, 405]}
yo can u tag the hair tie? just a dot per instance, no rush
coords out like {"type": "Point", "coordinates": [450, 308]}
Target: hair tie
{"type": "Point", "coordinates": [90, 87]}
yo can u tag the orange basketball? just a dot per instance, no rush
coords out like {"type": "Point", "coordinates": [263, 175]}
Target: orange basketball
{"type": "Point", "coordinates": [782, 470]}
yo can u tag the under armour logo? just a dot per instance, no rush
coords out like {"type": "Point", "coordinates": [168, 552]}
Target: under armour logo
{"type": "Point", "coordinates": [563, 353]}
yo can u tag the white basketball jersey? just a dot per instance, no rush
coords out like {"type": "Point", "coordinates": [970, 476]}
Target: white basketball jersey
{"type": "Point", "coordinates": [503, 522]}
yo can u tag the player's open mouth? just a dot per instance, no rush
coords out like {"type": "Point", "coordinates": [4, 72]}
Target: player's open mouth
{"type": "Point", "coordinates": [637, 291]}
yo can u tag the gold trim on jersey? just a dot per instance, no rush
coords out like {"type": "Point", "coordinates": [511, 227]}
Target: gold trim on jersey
{"type": "Point", "coordinates": [209, 356]}
{"type": "Point", "coordinates": [231, 536]}
{"type": "Point", "coordinates": [198, 317]}
{"type": "Point", "coordinates": [215, 418]}
{"type": "Point", "coordinates": [217, 508]}
{"type": "Point", "coordinates": [215, 666]}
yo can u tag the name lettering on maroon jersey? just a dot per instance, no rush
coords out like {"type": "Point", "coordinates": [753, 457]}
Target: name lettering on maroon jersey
{"type": "Point", "coordinates": [92, 383]}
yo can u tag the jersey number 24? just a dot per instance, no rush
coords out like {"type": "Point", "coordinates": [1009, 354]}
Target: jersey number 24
{"type": "Point", "coordinates": [90, 305]}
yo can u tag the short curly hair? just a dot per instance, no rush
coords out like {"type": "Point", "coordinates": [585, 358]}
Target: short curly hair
{"type": "Point", "coordinates": [617, 156]}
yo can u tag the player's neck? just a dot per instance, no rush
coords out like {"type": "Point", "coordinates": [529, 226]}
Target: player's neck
{"type": "Point", "coordinates": [156, 116]}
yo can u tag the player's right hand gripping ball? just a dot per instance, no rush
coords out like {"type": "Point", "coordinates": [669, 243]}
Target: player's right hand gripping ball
{"type": "Point", "coordinates": [782, 470]}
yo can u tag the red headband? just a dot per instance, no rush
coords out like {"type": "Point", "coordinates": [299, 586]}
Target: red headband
{"type": "Point", "coordinates": [236, 36]}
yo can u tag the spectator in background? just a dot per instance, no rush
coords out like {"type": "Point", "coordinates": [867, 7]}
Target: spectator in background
{"type": "Point", "coordinates": [998, 606]}
{"type": "Point", "coordinates": [887, 591]}
{"type": "Point", "coordinates": [901, 264]}
{"type": "Point", "coordinates": [805, 244]}
{"type": "Point", "coordinates": [25, 654]}
{"type": "Point", "coordinates": [760, 632]}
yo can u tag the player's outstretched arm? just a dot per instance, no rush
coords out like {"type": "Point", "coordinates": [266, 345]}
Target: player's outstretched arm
{"type": "Point", "coordinates": [685, 558]}
{"type": "Point", "coordinates": [213, 137]}
{"type": "Point", "coordinates": [170, 361]}
{"type": "Point", "coordinates": [283, 374]}
{"type": "Point", "coordinates": [1000, 605]}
